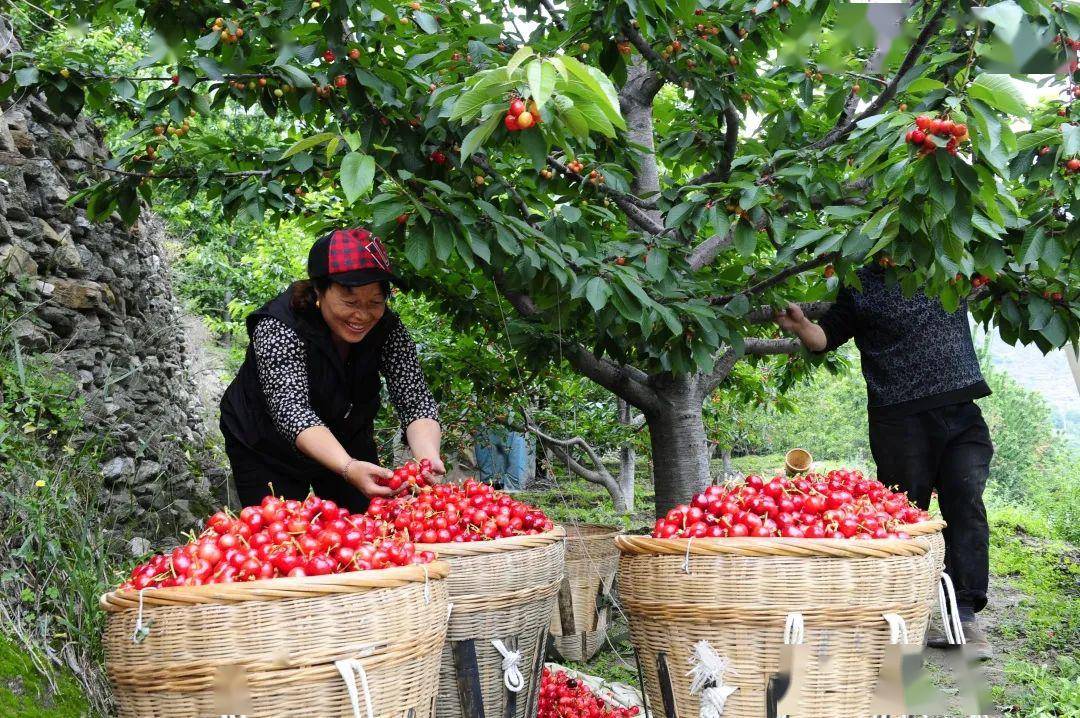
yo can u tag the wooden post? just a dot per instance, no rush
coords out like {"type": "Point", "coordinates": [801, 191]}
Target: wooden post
{"type": "Point", "coordinates": [532, 705]}
{"type": "Point", "coordinates": [468, 678]}
{"type": "Point", "coordinates": [667, 694]}
{"type": "Point", "coordinates": [641, 682]}
{"type": "Point", "coordinates": [566, 608]}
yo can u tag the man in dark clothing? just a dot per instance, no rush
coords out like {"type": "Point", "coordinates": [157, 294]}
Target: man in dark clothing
{"type": "Point", "coordinates": [926, 432]}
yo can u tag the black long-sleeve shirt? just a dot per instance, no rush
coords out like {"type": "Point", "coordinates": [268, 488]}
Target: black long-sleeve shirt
{"type": "Point", "coordinates": [915, 355]}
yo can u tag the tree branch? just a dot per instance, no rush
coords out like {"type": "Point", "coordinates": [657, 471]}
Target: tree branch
{"type": "Point", "coordinates": [764, 347]}
{"type": "Point", "coordinates": [889, 91]}
{"type": "Point", "coordinates": [722, 171]}
{"type": "Point", "coordinates": [523, 207]}
{"type": "Point", "coordinates": [621, 380]}
{"type": "Point", "coordinates": [764, 315]}
{"type": "Point", "coordinates": [778, 278]}
{"type": "Point", "coordinates": [724, 364]}
{"type": "Point", "coordinates": [176, 175]}
{"type": "Point", "coordinates": [550, 7]}
{"type": "Point", "coordinates": [628, 207]}
{"type": "Point", "coordinates": [655, 61]}
{"type": "Point", "coordinates": [603, 189]}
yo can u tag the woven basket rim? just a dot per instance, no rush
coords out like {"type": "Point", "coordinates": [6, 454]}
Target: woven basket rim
{"type": "Point", "coordinates": [312, 586]}
{"type": "Point", "coordinates": [770, 547]}
{"type": "Point", "coordinates": [603, 531]}
{"type": "Point", "coordinates": [924, 528]}
{"type": "Point", "coordinates": [499, 545]}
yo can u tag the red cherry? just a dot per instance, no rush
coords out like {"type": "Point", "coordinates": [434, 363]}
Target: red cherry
{"type": "Point", "coordinates": [517, 106]}
{"type": "Point", "coordinates": [511, 123]}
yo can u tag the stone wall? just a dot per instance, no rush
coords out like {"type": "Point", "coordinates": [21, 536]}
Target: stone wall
{"type": "Point", "coordinates": [99, 306]}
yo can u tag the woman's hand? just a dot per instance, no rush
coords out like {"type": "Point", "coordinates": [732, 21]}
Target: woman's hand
{"type": "Point", "coordinates": [437, 466]}
{"type": "Point", "coordinates": [365, 475]}
{"type": "Point", "coordinates": [791, 319]}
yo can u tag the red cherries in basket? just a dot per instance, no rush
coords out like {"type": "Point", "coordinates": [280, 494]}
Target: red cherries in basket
{"type": "Point", "coordinates": [840, 504]}
{"type": "Point", "coordinates": [278, 538]}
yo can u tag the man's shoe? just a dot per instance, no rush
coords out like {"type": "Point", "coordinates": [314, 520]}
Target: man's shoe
{"type": "Point", "coordinates": [978, 644]}
{"type": "Point", "coordinates": [935, 638]}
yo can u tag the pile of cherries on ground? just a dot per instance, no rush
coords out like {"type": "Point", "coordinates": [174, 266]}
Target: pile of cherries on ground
{"type": "Point", "coordinates": [315, 537]}
{"type": "Point", "coordinates": [842, 504]}
{"type": "Point", "coordinates": [565, 697]}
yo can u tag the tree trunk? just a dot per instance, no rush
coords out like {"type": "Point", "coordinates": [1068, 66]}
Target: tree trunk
{"type": "Point", "coordinates": [627, 460]}
{"type": "Point", "coordinates": [680, 452]}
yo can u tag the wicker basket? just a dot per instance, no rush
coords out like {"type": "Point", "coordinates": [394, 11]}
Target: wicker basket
{"type": "Point", "coordinates": [592, 560]}
{"type": "Point", "coordinates": [502, 590]}
{"type": "Point", "coordinates": [268, 648]}
{"type": "Point", "coordinates": [737, 594]}
{"type": "Point", "coordinates": [930, 533]}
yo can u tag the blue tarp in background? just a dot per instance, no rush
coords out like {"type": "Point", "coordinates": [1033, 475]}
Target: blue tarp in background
{"type": "Point", "coordinates": [506, 457]}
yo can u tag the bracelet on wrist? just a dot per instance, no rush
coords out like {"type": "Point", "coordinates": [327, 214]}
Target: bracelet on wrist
{"type": "Point", "coordinates": [345, 469]}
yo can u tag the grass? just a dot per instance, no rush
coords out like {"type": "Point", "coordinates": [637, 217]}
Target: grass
{"type": "Point", "coordinates": [1046, 680]}
{"type": "Point", "coordinates": [26, 693]}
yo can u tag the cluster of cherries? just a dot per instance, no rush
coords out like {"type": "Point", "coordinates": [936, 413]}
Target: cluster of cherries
{"type": "Point", "coordinates": [411, 475]}
{"type": "Point", "coordinates": [279, 537]}
{"type": "Point", "coordinates": [926, 128]}
{"type": "Point", "coordinates": [842, 504]}
{"type": "Point", "coordinates": [518, 117]}
{"type": "Point", "coordinates": [565, 697]}
{"type": "Point", "coordinates": [450, 513]}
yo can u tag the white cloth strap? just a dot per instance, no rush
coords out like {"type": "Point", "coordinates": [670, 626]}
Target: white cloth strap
{"type": "Point", "coordinates": [138, 634]}
{"type": "Point", "coordinates": [427, 584]}
{"type": "Point", "coordinates": [707, 669]}
{"type": "Point", "coordinates": [950, 612]}
{"type": "Point", "coordinates": [512, 678]}
{"type": "Point", "coordinates": [898, 632]}
{"type": "Point", "coordinates": [349, 669]}
{"type": "Point", "coordinates": [686, 559]}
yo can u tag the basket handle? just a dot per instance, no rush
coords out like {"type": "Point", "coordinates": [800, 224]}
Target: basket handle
{"type": "Point", "coordinates": [349, 669]}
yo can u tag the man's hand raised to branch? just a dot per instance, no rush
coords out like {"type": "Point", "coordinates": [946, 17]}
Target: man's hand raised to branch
{"type": "Point", "coordinates": [793, 321]}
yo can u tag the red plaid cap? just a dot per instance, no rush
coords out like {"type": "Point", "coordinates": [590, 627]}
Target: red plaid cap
{"type": "Point", "coordinates": [350, 256]}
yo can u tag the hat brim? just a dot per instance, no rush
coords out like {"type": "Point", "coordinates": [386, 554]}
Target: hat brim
{"type": "Point", "coordinates": [360, 277]}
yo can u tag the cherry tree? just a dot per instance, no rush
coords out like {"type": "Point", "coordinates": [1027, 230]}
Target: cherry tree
{"type": "Point", "coordinates": [629, 187]}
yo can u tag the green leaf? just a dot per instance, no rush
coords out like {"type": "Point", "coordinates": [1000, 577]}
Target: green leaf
{"type": "Point", "coordinates": [656, 263]}
{"type": "Point", "coordinates": [843, 211]}
{"type": "Point", "coordinates": [209, 40]}
{"type": "Point", "coordinates": [26, 76]}
{"type": "Point", "coordinates": [478, 135]}
{"type": "Point", "coordinates": [357, 175]}
{"type": "Point", "coordinates": [307, 143]}
{"type": "Point", "coordinates": [745, 239]}
{"type": "Point", "coordinates": [426, 22]}
{"type": "Point", "coordinates": [541, 74]}
{"type": "Point", "coordinates": [1070, 140]}
{"type": "Point", "coordinates": [598, 87]}
{"type": "Point", "coordinates": [576, 121]}
{"type": "Point", "coordinates": [1032, 247]}
{"type": "Point", "coordinates": [597, 292]}
{"type": "Point", "coordinates": [999, 92]}
{"type": "Point", "coordinates": [295, 76]}
{"type": "Point", "coordinates": [678, 214]}
{"type": "Point", "coordinates": [924, 84]}
{"type": "Point", "coordinates": [1039, 138]}
{"type": "Point", "coordinates": [1055, 331]}
{"type": "Point", "coordinates": [523, 54]}
{"type": "Point", "coordinates": [418, 246]}
{"type": "Point", "coordinates": [490, 87]}
{"type": "Point", "coordinates": [596, 118]}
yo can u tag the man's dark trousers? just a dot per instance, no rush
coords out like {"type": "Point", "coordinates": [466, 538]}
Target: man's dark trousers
{"type": "Point", "coordinates": [946, 449]}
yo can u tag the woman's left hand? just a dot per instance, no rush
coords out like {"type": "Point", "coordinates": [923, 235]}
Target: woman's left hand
{"type": "Point", "coordinates": [437, 466]}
